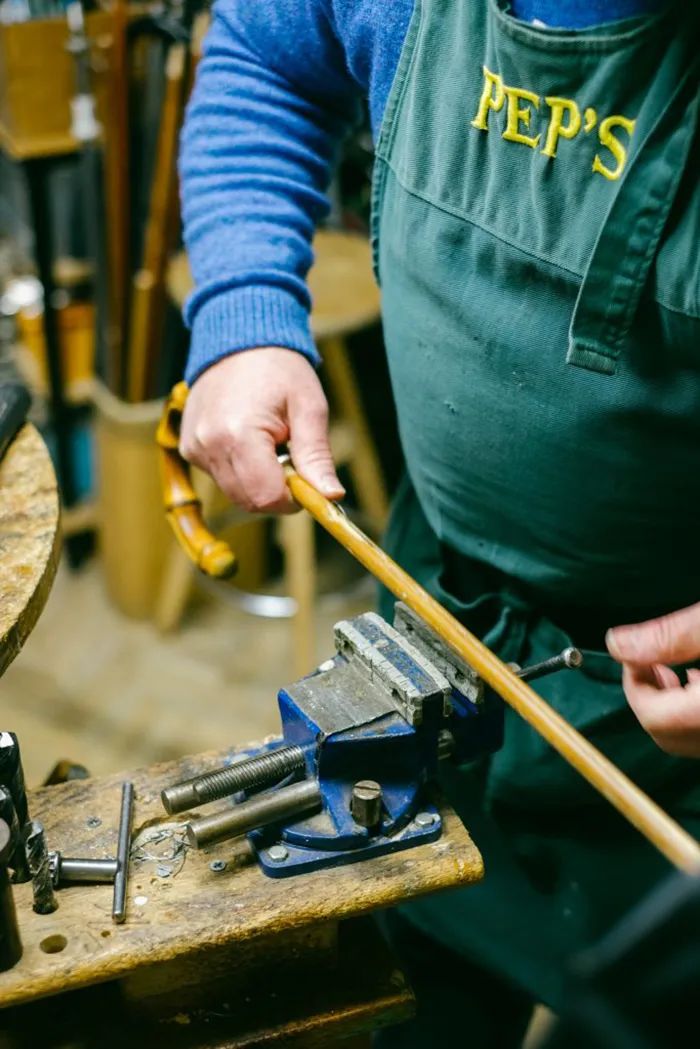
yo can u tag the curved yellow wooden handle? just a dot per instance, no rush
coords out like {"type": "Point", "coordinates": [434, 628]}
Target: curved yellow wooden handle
{"type": "Point", "coordinates": [182, 506]}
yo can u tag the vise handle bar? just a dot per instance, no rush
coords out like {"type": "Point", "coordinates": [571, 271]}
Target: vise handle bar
{"type": "Point", "coordinates": [215, 558]}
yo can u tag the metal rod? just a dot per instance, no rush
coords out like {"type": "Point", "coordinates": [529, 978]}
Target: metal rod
{"type": "Point", "coordinates": [123, 850]}
{"type": "Point", "coordinates": [70, 869]}
{"type": "Point", "coordinates": [260, 771]}
{"type": "Point", "coordinates": [38, 860]}
{"type": "Point", "coordinates": [679, 847]}
{"type": "Point", "coordinates": [259, 811]}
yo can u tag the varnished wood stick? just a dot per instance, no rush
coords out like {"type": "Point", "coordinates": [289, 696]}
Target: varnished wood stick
{"type": "Point", "coordinates": [668, 836]}
{"type": "Point", "coordinates": [117, 196]}
{"type": "Point", "coordinates": [148, 288]}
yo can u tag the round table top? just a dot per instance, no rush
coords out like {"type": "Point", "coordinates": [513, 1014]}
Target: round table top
{"type": "Point", "coordinates": [29, 538]}
{"type": "Point", "coordinates": [343, 291]}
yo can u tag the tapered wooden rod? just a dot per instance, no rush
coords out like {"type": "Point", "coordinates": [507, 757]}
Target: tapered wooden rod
{"type": "Point", "coordinates": [668, 836]}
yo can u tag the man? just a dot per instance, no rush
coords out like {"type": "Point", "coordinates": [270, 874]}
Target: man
{"type": "Point", "coordinates": [536, 215]}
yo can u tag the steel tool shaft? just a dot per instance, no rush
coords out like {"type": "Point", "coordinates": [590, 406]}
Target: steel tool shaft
{"type": "Point", "coordinates": [123, 850]}
{"type": "Point", "coordinates": [260, 811]}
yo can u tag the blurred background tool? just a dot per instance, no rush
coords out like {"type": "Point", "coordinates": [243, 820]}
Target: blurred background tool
{"type": "Point", "coordinates": [10, 943]}
{"type": "Point", "coordinates": [14, 405]}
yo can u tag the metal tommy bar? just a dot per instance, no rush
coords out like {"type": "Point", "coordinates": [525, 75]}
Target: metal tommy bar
{"type": "Point", "coordinates": [259, 811]}
{"type": "Point", "coordinates": [123, 850]}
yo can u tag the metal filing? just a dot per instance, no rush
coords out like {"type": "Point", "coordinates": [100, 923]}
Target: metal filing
{"type": "Point", "coordinates": [38, 860]}
{"type": "Point", "coordinates": [10, 943]}
{"type": "Point", "coordinates": [362, 740]}
{"type": "Point", "coordinates": [123, 851]}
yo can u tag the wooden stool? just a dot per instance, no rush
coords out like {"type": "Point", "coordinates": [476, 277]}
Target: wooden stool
{"type": "Point", "coordinates": [29, 536]}
{"type": "Point", "coordinates": [345, 300]}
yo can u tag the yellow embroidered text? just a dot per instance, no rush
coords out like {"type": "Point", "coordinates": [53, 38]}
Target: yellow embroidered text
{"type": "Point", "coordinates": [524, 108]}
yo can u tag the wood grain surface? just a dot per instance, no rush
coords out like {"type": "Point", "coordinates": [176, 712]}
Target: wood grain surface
{"type": "Point", "coordinates": [29, 538]}
{"type": "Point", "coordinates": [193, 914]}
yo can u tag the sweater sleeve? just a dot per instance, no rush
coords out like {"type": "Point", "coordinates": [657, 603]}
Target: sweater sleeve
{"type": "Point", "coordinates": [272, 101]}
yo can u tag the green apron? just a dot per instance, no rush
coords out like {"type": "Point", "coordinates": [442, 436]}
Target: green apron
{"type": "Point", "coordinates": [537, 239]}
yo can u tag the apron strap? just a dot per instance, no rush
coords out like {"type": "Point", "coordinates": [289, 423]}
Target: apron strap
{"type": "Point", "coordinates": [627, 244]}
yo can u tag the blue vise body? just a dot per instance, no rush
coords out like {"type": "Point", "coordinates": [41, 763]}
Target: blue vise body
{"type": "Point", "coordinates": [388, 707]}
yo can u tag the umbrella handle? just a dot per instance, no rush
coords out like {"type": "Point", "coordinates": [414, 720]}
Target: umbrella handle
{"type": "Point", "coordinates": [183, 508]}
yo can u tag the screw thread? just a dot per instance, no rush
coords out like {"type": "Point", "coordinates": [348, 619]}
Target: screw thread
{"type": "Point", "coordinates": [256, 772]}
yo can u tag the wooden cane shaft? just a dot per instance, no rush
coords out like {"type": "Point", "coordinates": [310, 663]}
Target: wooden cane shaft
{"type": "Point", "coordinates": [662, 831]}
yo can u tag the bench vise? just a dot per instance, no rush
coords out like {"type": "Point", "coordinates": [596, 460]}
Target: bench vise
{"type": "Point", "coordinates": [362, 738]}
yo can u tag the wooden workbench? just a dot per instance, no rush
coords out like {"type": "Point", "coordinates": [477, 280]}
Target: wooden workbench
{"type": "Point", "coordinates": [207, 958]}
{"type": "Point", "coordinates": [29, 539]}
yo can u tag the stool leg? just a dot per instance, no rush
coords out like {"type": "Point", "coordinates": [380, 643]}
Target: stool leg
{"type": "Point", "coordinates": [177, 580]}
{"type": "Point", "coordinates": [363, 462]}
{"type": "Point", "coordinates": [296, 535]}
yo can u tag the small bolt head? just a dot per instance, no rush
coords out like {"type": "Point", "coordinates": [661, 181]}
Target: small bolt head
{"type": "Point", "coordinates": [93, 821]}
{"type": "Point", "coordinates": [217, 866]}
{"type": "Point", "coordinates": [425, 819]}
{"type": "Point", "coordinates": [278, 853]}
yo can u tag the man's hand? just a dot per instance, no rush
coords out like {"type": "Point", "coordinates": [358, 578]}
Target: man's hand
{"type": "Point", "coordinates": [241, 409]}
{"type": "Point", "coordinates": [669, 711]}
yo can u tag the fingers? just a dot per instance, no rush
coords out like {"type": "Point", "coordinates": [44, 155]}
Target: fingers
{"type": "Point", "coordinates": [674, 638]}
{"type": "Point", "coordinates": [669, 712]}
{"type": "Point", "coordinates": [309, 444]}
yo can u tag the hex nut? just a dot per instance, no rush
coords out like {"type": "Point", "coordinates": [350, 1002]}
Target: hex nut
{"type": "Point", "coordinates": [277, 853]}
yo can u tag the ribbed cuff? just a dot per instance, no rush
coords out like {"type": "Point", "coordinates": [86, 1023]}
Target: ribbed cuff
{"type": "Point", "coordinates": [244, 318]}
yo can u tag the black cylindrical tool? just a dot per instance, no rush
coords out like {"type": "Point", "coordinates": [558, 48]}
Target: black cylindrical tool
{"type": "Point", "coordinates": [12, 775]}
{"type": "Point", "coordinates": [14, 405]}
{"type": "Point", "coordinates": [10, 943]}
{"type": "Point", "coordinates": [17, 857]}
{"type": "Point", "coordinates": [38, 860]}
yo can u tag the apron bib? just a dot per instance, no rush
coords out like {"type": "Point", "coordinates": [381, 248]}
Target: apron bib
{"type": "Point", "coordinates": [536, 221]}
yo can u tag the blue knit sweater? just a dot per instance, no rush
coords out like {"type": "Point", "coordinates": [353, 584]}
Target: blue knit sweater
{"type": "Point", "coordinates": [280, 84]}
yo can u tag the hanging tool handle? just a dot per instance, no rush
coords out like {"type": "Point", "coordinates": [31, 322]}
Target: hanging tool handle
{"type": "Point", "coordinates": [182, 505]}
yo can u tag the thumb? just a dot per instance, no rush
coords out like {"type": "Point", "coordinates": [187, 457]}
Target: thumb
{"type": "Point", "coordinates": [310, 449]}
{"type": "Point", "coordinates": [674, 638]}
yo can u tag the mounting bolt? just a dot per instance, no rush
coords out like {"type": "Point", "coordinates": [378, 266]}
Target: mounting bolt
{"type": "Point", "coordinates": [366, 803]}
{"type": "Point", "coordinates": [93, 821]}
{"type": "Point", "coordinates": [424, 819]}
{"type": "Point", "coordinates": [217, 866]}
{"type": "Point", "coordinates": [277, 853]}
